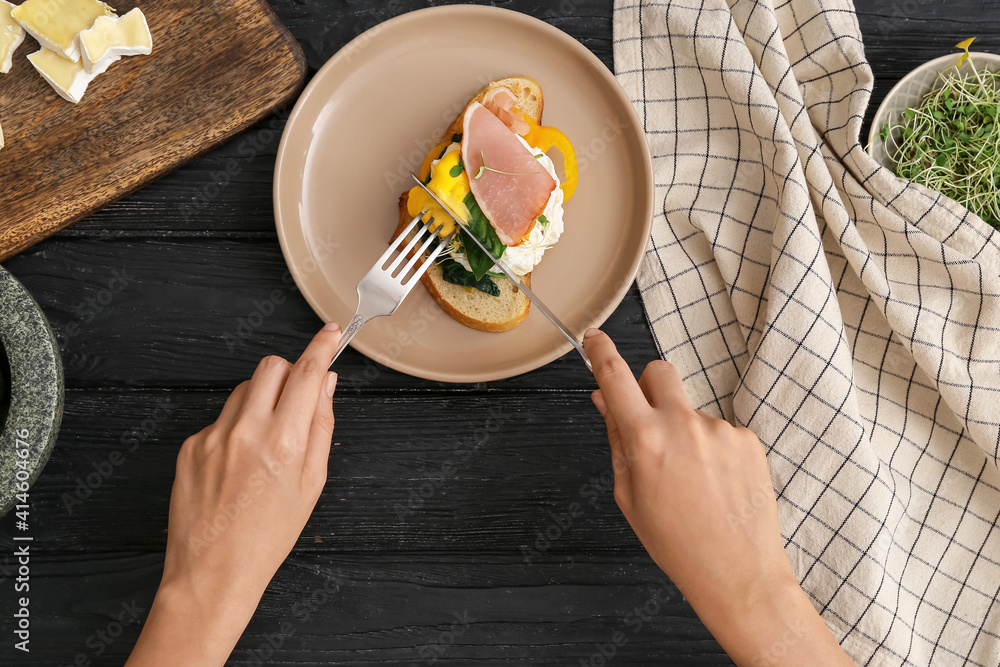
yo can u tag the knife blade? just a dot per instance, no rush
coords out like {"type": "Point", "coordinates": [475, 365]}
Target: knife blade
{"type": "Point", "coordinates": [464, 224]}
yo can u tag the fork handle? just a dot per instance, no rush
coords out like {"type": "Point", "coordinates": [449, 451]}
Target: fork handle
{"type": "Point", "coordinates": [352, 329]}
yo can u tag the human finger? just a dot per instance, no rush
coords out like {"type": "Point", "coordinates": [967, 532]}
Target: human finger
{"type": "Point", "coordinates": [619, 388]}
{"type": "Point", "coordinates": [619, 459]}
{"type": "Point", "coordinates": [233, 406]}
{"type": "Point", "coordinates": [305, 381]}
{"type": "Point", "coordinates": [265, 386]}
{"type": "Point", "coordinates": [661, 384]}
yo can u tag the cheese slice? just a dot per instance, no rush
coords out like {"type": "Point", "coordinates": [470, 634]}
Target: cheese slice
{"type": "Point", "coordinates": [11, 36]}
{"type": "Point", "coordinates": [66, 77]}
{"type": "Point", "coordinates": [112, 37]}
{"type": "Point", "coordinates": [56, 23]}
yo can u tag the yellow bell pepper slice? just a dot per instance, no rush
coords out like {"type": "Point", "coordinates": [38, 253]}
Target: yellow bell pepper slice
{"type": "Point", "coordinates": [543, 138]}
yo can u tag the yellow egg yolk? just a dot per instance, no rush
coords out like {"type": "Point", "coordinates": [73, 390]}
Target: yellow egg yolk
{"type": "Point", "coordinates": [435, 153]}
{"type": "Point", "coordinates": [452, 190]}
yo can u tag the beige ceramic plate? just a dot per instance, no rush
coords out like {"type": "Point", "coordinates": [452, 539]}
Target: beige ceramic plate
{"type": "Point", "coordinates": [365, 121]}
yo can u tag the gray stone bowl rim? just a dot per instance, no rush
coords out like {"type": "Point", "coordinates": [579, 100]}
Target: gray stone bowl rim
{"type": "Point", "coordinates": [27, 336]}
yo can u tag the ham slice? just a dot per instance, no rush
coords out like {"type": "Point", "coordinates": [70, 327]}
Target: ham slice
{"type": "Point", "coordinates": [511, 201]}
{"type": "Point", "coordinates": [501, 102]}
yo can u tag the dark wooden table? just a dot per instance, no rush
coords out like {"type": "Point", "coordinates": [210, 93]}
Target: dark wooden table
{"type": "Point", "coordinates": [442, 537]}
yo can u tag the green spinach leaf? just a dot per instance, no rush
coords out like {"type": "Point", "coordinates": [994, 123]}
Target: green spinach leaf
{"type": "Point", "coordinates": [456, 274]}
{"type": "Point", "coordinates": [480, 262]}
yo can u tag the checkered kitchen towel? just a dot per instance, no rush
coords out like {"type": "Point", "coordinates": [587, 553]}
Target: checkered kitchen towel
{"type": "Point", "coordinates": [849, 318]}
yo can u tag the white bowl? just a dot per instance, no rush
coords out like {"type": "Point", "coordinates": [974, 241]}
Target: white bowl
{"type": "Point", "coordinates": [911, 90]}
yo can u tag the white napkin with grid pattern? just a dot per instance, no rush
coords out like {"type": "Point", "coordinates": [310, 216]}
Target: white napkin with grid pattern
{"type": "Point", "coordinates": [849, 318]}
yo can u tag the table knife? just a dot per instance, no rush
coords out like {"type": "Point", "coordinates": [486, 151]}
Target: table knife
{"type": "Point", "coordinates": [464, 225]}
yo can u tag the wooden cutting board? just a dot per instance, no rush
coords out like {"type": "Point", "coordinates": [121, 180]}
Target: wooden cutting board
{"type": "Point", "coordinates": [217, 67]}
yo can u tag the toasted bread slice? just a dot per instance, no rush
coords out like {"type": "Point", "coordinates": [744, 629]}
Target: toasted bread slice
{"type": "Point", "coordinates": [470, 306]}
{"type": "Point", "coordinates": [467, 305]}
{"type": "Point", "coordinates": [528, 91]}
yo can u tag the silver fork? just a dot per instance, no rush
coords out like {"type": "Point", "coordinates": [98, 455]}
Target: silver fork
{"type": "Point", "coordinates": [386, 284]}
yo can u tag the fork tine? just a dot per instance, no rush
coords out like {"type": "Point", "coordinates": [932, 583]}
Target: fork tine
{"type": "Point", "coordinates": [398, 241]}
{"type": "Point", "coordinates": [402, 256]}
{"type": "Point", "coordinates": [433, 256]}
{"type": "Point", "coordinates": [416, 256]}
{"type": "Point", "coordinates": [379, 293]}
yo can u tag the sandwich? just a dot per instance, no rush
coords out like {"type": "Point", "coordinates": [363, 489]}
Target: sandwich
{"type": "Point", "coordinates": [493, 164]}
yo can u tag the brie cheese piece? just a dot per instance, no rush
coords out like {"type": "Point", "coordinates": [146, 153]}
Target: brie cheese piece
{"type": "Point", "coordinates": [112, 37]}
{"type": "Point", "coordinates": [66, 77]}
{"type": "Point", "coordinates": [56, 23]}
{"type": "Point", "coordinates": [11, 36]}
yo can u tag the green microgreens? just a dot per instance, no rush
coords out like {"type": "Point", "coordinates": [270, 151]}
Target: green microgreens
{"type": "Point", "coordinates": [545, 221]}
{"type": "Point", "coordinates": [484, 168]}
{"type": "Point", "coordinates": [456, 171]}
{"type": "Point", "coordinates": [951, 141]}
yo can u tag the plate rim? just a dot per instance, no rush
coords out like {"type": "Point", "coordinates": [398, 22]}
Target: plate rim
{"type": "Point", "coordinates": [647, 181]}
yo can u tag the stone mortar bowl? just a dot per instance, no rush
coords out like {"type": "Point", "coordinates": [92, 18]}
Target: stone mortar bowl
{"type": "Point", "coordinates": [31, 390]}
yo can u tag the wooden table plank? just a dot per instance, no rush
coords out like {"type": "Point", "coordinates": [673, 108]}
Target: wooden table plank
{"type": "Point", "coordinates": [202, 249]}
{"type": "Point", "coordinates": [230, 187]}
{"type": "Point", "coordinates": [200, 313]}
{"type": "Point", "coordinates": [402, 479]}
{"type": "Point", "coordinates": [391, 610]}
